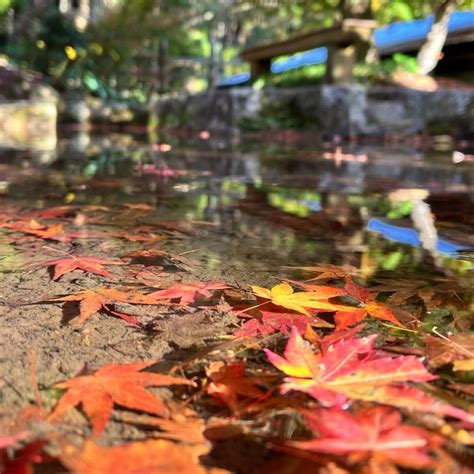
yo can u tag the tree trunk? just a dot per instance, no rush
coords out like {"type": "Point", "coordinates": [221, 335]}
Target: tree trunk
{"type": "Point", "coordinates": [429, 54]}
{"type": "Point", "coordinates": [212, 74]}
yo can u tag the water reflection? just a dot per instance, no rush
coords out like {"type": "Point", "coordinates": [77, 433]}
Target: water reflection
{"type": "Point", "coordinates": [260, 206]}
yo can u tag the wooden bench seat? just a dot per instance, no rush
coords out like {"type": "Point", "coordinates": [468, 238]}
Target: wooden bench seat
{"type": "Point", "coordinates": [347, 42]}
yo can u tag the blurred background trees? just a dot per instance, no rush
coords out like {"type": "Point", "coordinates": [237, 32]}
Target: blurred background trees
{"type": "Point", "coordinates": [134, 48]}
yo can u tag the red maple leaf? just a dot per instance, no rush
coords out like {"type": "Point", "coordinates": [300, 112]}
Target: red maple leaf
{"type": "Point", "coordinates": [24, 460]}
{"type": "Point", "coordinates": [93, 301]}
{"type": "Point", "coordinates": [188, 293]}
{"type": "Point", "coordinates": [269, 322]}
{"type": "Point", "coordinates": [369, 307]}
{"type": "Point", "coordinates": [353, 368]}
{"type": "Point", "coordinates": [349, 368]}
{"type": "Point", "coordinates": [87, 264]}
{"type": "Point", "coordinates": [123, 385]}
{"type": "Point", "coordinates": [375, 431]}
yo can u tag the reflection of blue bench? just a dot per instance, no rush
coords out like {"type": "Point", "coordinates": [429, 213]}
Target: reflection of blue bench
{"type": "Point", "coordinates": [400, 36]}
{"type": "Point", "coordinates": [408, 236]}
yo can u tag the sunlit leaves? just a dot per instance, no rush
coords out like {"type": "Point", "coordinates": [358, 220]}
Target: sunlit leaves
{"type": "Point", "coordinates": [301, 301]}
{"type": "Point", "coordinates": [188, 293]}
{"type": "Point", "coordinates": [350, 368]}
{"type": "Point", "coordinates": [93, 301]}
{"type": "Point", "coordinates": [87, 264]}
{"type": "Point", "coordinates": [123, 385]}
{"type": "Point", "coordinates": [368, 306]}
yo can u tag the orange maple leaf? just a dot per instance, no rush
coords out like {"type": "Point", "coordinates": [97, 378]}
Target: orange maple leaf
{"type": "Point", "coordinates": [229, 384]}
{"type": "Point", "coordinates": [369, 305]}
{"type": "Point", "coordinates": [123, 385]}
{"type": "Point", "coordinates": [87, 264]}
{"type": "Point", "coordinates": [93, 301]}
{"type": "Point", "coordinates": [51, 232]}
{"type": "Point", "coordinates": [145, 457]}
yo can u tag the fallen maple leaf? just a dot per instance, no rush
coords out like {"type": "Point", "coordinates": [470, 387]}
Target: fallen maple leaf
{"type": "Point", "coordinates": [284, 295]}
{"type": "Point", "coordinates": [24, 460]}
{"type": "Point", "coordinates": [349, 368]}
{"type": "Point", "coordinates": [88, 264]}
{"type": "Point", "coordinates": [123, 385]}
{"type": "Point", "coordinates": [369, 304]}
{"type": "Point", "coordinates": [463, 365]}
{"type": "Point", "coordinates": [451, 349]}
{"type": "Point", "coordinates": [139, 207]}
{"type": "Point", "coordinates": [352, 368]}
{"type": "Point", "coordinates": [148, 237]}
{"type": "Point", "coordinates": [440, 290]}
{"type": "Point", "coordinates": [269, 322]}
{"type": "Point", "coordinates": [145, 457]}
{"type": "Point", "coordinates": [188, 293]}
{"type": "Point", "coordinates": [375, 431]}
{"type": "Point", "coordinates": [52, 232]}
{"type": "Point", "coordinates": [329, 272]}
{"type": "Point", "coordinates": [183, 424]}
{"type": "Point", "coordinates": [10, 440]}
{"type": "Point", "coordinates": [154, 257]}
{"type": "Point", "coordinates": [414, 399]}
{"type": "Point", "coordinates": [229, 384]}
{"type": "Point", "coordinates": [93, 301]}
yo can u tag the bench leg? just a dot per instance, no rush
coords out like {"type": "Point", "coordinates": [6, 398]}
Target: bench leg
{"type": "Point", "coordinates": [340, 64]}
{"type": "Point", "coordinates": [258, 67]}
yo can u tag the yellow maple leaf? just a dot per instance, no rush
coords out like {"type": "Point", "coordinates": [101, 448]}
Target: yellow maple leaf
{"type": "Point", "coordinates": [464, 365]}
{"type": "Point", "coordinates": [284, 295]}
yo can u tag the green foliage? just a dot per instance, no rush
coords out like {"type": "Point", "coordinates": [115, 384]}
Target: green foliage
{"type": "Point", "coordinates": [308, 75]}
{"type": "Point", "coordinates": [198, 39]}
{"type": "Point", "coordinates": [383, 70]}
{"type": "Point", "coordinates": [293, 201]}
{"type": "Point", "coordinates": [57, 50]}
{"type": "Point", "coordinates": [5, 5]}
{"type": "Point", "coordinates": [400, 209]}
{"type": "Point", "coordinates": [388, 11]}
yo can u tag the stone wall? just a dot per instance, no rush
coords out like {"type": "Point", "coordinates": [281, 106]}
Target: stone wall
{"type": "Point", "coordinates": [28, 110]}
{"type": "Point", "coordinates": [331, 110]}
{"type": "Point", "coordinates": [28, 124]}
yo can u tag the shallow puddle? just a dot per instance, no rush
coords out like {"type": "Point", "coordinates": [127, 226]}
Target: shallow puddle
{"type": "Point", "coordinates": [257, 207]}
{"type": "Point", "coordinates": [205, 209]}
